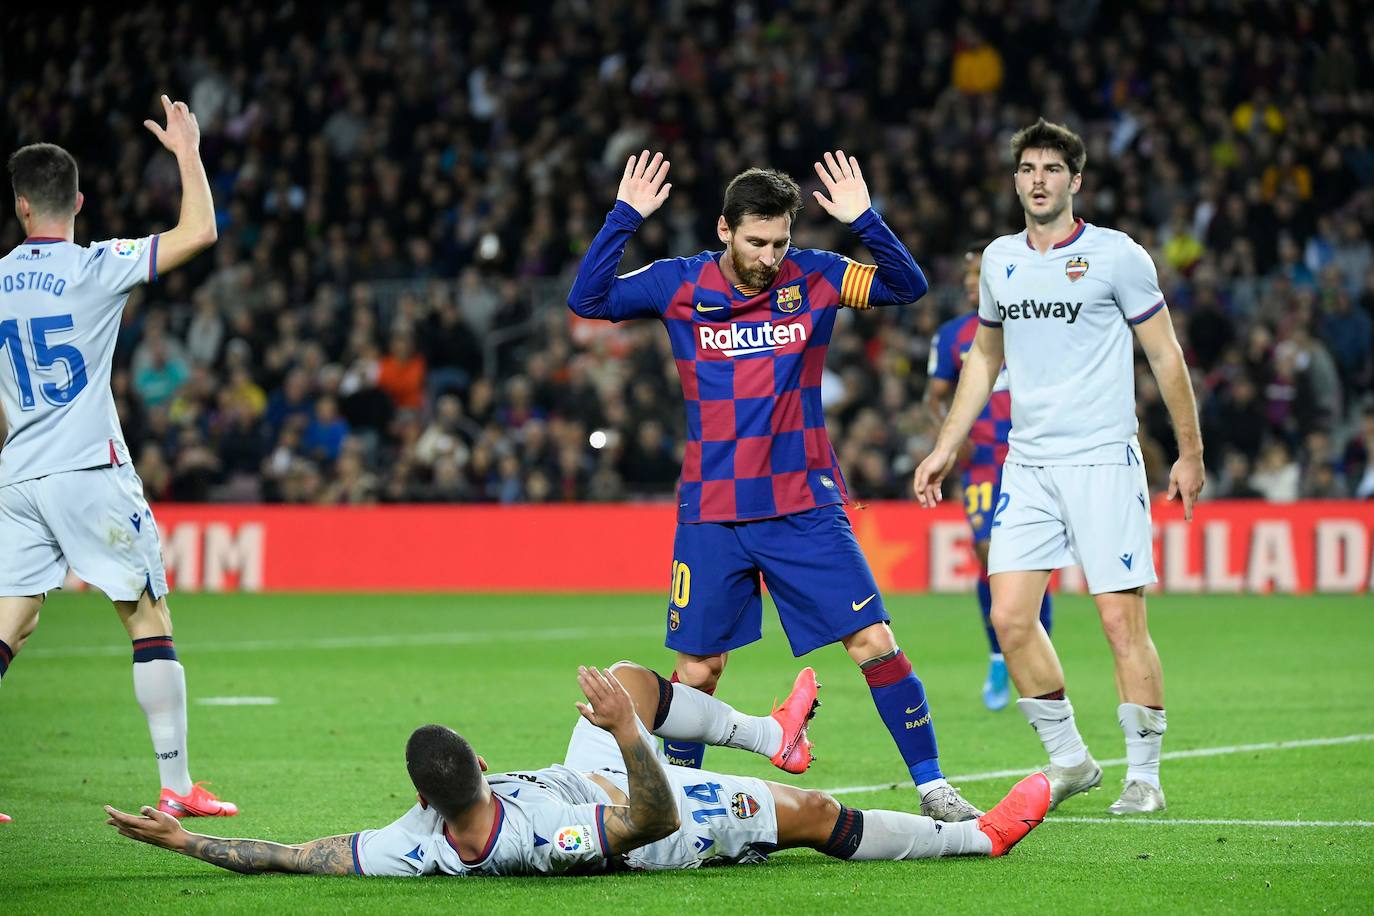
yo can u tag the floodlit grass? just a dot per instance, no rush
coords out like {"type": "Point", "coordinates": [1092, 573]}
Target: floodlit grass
{"type": "Point", "coordinates": [354, 674]}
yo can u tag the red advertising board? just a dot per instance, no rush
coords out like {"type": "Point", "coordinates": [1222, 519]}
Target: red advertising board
{"type": "Point", "coordinates": [1251, 547]}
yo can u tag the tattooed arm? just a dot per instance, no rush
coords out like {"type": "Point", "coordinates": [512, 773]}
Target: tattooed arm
{"type": "Point", "coordinates": [329, 856]}
{"type": "Point", "coordinates": [652, 810]}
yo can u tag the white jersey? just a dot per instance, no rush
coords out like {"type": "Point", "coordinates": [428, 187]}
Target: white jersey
{"type": "Point", "coordinates": [1065, 319]}
{"type": "Point", "coordinates": [60, 308]}
{"type": "Point", "coordinates": [552, 822]}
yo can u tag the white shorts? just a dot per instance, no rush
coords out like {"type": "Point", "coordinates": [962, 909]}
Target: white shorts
{"type": "Point", "coordinates": [94, 521]}
{"type": "Point", "coordinates": [725, 819]}
{"type": "Point", "coordinates": [1096, 515]}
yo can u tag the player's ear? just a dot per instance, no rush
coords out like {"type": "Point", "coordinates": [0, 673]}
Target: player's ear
{"type": "Point", "coordinates": [1075, 183]}
{"type": "Point", "coordinates": [481, 763]}
{"type": "Point", "coordinates": [80, 199]}
{"type": "Point", "coordinates": [423, 804]}
{"type": "Point", "coordinates": [22, 208]}
{"type": "Point", "coordinates": [723, 230]}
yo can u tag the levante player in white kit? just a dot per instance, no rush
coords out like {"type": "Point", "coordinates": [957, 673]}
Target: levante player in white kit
{"type": "Point", "coordinates": [69, 497]}
{"type": "Point", "coordinates": [1059, 301]}
{"type": "Point", "coordinates": [613, 804]}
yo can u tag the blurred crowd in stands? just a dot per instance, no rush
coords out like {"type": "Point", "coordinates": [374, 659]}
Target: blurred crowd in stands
{"type": "Point", "coordinates": [404, 191]}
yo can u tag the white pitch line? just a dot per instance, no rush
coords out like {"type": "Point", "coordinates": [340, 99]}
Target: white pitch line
{"type": "Point", "coordinates": [1119, 761]}
{"type": "Point", "coordinates": [1203, 822]}
{"type": "Point", "coordinates": [236, 701]}
{"type": "Point", "coordinates": [380, 641]}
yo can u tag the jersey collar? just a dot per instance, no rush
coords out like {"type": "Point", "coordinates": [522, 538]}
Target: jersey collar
{"type": "Point", "coordinates": [1078, 228]}
{"type": "Point", "coordinates": [42, 240]}
{"type": "Point", "coordinates": [496, 823]}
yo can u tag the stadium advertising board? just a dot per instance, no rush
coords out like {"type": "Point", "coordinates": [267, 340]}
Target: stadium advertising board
{"type": "Point", "coordinates": [1236, 547]}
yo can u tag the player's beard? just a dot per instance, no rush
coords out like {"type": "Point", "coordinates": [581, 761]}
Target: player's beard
{"type": "Point", "coordinates": [1056, 210]}
{"type": "Point", "coordinates": [758, 276]}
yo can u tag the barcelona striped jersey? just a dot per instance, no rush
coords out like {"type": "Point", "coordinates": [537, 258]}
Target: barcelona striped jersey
{"type": "Point", "coordinates": [750, 361]}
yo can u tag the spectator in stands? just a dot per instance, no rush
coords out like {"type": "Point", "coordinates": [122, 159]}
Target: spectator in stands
{"type": "Point", "coordinates": [430, 183]}
{"type": "Point", "coordinates": [401, 372]}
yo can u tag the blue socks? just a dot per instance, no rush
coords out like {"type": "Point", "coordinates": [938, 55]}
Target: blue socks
{"type": "Point", "coordinates": [685, 753]}
{"type": "Point", "coordinates": [901, 702]}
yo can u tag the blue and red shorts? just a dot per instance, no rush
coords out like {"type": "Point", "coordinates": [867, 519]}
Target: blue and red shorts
{"type": "Point", "coordinates": [810, 561]}
{"type": "Point", "coordinates": [982, 484]}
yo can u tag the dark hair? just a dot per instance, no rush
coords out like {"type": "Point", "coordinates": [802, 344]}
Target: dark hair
{"type": "Point", "coordinates": [760, 192]}
{"type": "Point", "coordinates": [1046, 135]}
{"type": "Point", "coordinates": [976, 247]}
{"type": "Point", "coordinates": [444, 769]}
{"type": "Point", "coordinates": [45, 174]}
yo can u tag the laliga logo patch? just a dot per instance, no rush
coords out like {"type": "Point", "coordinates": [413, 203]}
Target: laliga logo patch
{"type": "Point", "coordinates": [127, 248]}
{"type": "Point", "coordinates": [1075, 268]}
{"type": "Point", "coordinates": [744, 806]}
{"type": "Point", "coordinates": [789, 298]}
{"type": "Point", "coordinates": [573, 839]}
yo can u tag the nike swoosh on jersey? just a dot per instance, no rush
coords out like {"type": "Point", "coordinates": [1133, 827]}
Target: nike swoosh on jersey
{"type": "Point", "coordinates": [859, 605]}
{"type": "Point", "coordinates": [709, 308]}
{"type": "Point", "coordinates": [912, 711]}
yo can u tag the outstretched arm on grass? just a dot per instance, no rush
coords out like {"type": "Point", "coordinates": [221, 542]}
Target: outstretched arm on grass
{"type": "Point", "coordinates": [328, 856]}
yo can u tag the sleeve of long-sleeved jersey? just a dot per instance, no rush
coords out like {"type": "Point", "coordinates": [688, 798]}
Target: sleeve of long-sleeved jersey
{"type": "Point", "coordinates": [894, 280]}
{"type": "Point", "coordinates": [598, 293]}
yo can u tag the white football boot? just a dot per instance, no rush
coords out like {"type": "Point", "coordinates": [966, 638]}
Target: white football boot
{"type": "Point", "coordinates": [1067, 781]}
{"type": "Point", "coordinates": [1138, 797]}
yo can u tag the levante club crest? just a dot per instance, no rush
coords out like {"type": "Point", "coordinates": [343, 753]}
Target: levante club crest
{"type": "Point", "coordinates": [789, 298]}
{"type": "Point", "coordinates": [1075, 268]}
{"type": "Point", "coordinates": [744, 806]}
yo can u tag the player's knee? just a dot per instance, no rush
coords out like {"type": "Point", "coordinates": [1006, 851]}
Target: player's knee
{"type": "Point", "coordinates": [700, 671]}
{"type": "Point", "coordinates": [1009, 622]}
{"type": "Point", "coordinates": [822, 805]}
{"type": "Point", "coordinates": [875, 641]}
{"type": "Point", "coordinates": [631, 674]}
{"type": "Point", "coordinates": [18, 620]}
{"type": "Point", "coordinates": [1124, 630]}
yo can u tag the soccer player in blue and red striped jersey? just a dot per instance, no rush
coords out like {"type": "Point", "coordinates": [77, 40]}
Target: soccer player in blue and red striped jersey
{"type": "Point", "coordinates": [984, 453]}
{"type": "Point", "coordinates": [760, 499]}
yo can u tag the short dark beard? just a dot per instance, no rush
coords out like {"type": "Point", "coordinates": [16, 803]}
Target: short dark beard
{"type": "Point", "coordinates": [1048, 217]}
{"type": "Point", "coordinates": [759, 277]}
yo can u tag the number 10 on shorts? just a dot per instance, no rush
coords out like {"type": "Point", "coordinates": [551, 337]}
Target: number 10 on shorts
{"type": "Point", "coordinates": [681, 591]}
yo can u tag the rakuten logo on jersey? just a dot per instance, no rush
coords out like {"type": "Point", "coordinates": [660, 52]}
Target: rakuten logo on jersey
{"type": "Point", "coordinates": [741, 340]}
{"type": "Point", "coordinates": [1029, 308]}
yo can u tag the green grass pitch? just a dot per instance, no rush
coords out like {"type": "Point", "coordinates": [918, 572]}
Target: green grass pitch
{"type": "Point", "coordinates": [354, 674]}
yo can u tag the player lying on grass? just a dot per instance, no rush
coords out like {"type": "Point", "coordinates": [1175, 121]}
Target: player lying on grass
{"type": "Point", "coordinates": [613, 803]}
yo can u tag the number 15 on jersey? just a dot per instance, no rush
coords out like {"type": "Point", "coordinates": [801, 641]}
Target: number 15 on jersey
{"type": "Point", "coordinates": [45, 356]}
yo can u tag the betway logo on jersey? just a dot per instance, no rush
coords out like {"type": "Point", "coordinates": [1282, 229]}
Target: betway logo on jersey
{"type": "Point", "coordinates": [743, 339]}
{"type": "Point", "coordinates": [1029, 308]}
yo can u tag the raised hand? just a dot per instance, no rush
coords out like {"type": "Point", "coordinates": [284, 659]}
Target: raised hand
{"type": "Point", "coordinates": [642, 184]}
{"type": "Point", "coordinates": [930, 474]}
{"type": "Point", "coordinates": [846, 186]}
{"type": "Point", "coordinates": [608, 705]}
{"type": "Point", "coordinates": [182, 133]}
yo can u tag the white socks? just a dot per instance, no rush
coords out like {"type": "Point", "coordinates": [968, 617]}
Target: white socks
{"type": "Point", "coordinates": [160, 688]}
{"type": "Point", "coordinates": [697, 716]}
{"type": "Point", "coordinates": [1144, 729]}
{"type": "Point", "coordinates": [1053, 722]}
{"type": "Point", "coordinates": [895, 835]}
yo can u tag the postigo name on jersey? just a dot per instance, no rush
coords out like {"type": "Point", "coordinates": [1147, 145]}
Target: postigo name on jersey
{"type": "Point", "coordinates": [37, 280]}
{"type": "Point", "coordinates": [743, 339]}
{"type": "Point", "coordinates": [1029, 308]}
